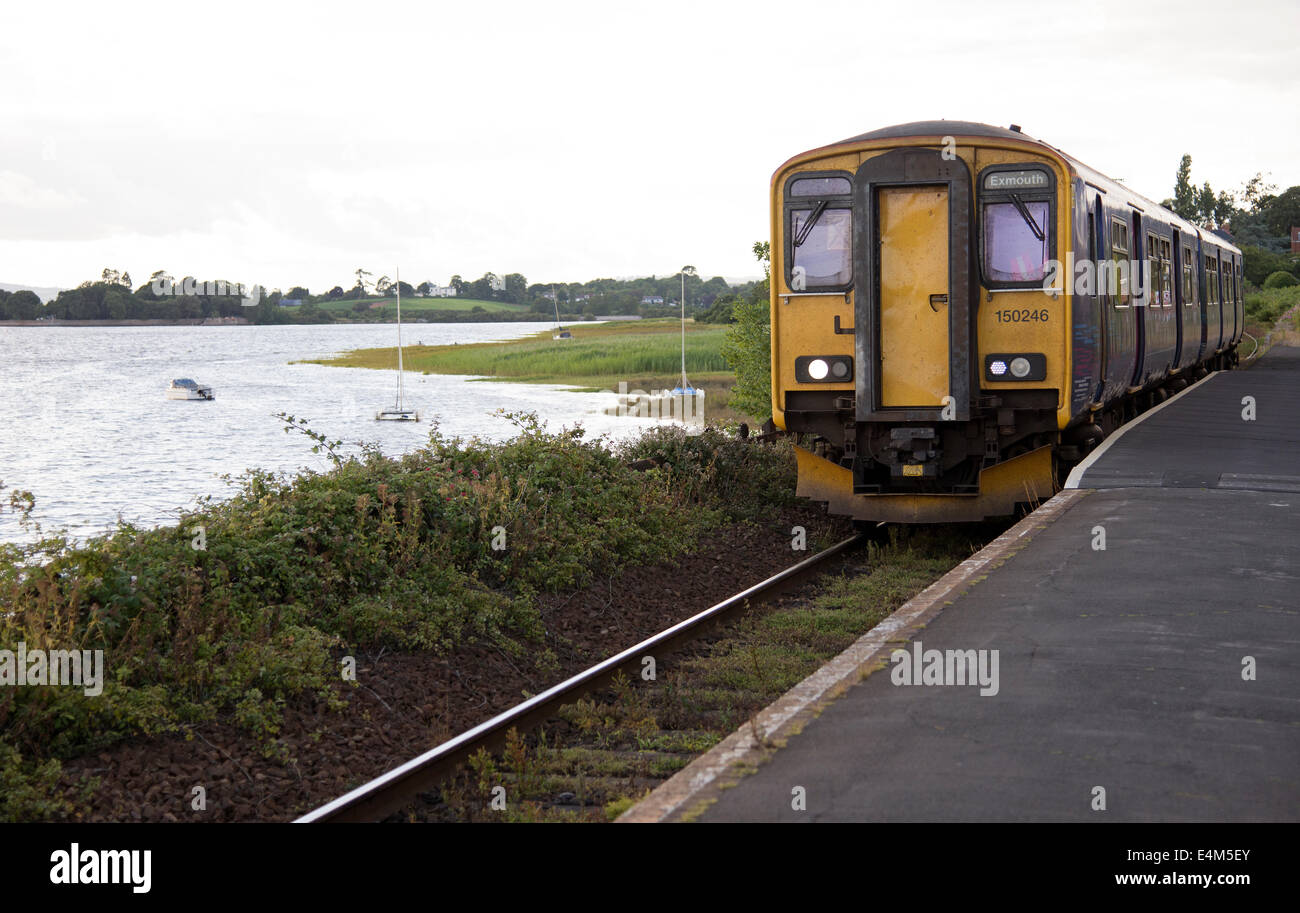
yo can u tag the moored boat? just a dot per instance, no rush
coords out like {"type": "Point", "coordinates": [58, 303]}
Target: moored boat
{"type": "Point", "coordinates": [185, 388]}
{"type": "Point", "coordinates": [398, 412]}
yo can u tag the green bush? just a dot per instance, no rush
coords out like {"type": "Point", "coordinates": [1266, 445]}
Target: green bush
{"type": "Point", "coordinates": [742, 478]}
{"type": "Point", "coordinates": [748, 346]}
{"type": "Point", "coordinates": [397, 552]}
{"type": "Point", "coordinates": [1265, 307]}
{"type": "Point", "coordinates": [1259, 263]}
{"type": "Point", "coordinates": [30, 791]}
{"type": "Point", "coordinates": [1280, 279]}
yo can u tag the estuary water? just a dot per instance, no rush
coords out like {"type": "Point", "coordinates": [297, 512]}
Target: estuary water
{"type": "Point", "coordinates": [85, 425]}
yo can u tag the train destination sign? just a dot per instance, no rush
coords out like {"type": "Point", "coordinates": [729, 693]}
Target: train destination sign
{"type": "Point", "coordinates": [1015, 180]}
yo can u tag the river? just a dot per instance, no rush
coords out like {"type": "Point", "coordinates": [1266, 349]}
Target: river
{"type": "Point", "coordinates": [85, 426]}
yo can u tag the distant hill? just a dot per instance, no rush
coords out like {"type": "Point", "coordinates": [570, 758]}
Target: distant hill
{"type": "Point", "coordinates": [45, 294]}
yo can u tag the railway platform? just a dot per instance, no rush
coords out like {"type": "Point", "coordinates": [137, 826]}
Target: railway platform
{"type": "Point", "coordinates": [1131, 649]}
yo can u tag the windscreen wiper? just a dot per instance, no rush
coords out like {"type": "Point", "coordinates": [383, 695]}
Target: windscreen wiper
{"type": "Point", "coordinates": [1029, 219]}
{"type": "Point", "coordinates": [807, 227]}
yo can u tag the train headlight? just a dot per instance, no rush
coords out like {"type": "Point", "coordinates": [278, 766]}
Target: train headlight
{"type": "Point", "coordinates": [1015, 366]}
{"type": "Point", "coordinates": [823, 369]}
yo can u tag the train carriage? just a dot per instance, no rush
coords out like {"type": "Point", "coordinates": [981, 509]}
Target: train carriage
{"type": "Point", "coordinates": [960, 312]}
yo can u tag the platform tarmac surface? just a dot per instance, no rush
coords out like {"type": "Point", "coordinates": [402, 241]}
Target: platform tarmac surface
{"type": "Point", "coordinates": [1119, 668]}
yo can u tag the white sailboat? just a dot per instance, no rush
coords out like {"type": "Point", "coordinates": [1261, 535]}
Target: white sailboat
{"type": "Point", "coordinates": [399, 412]}
{"type": "Point", "coordinates": [685, 388]}
{"type": "Point", "coordinates": [560, 332]}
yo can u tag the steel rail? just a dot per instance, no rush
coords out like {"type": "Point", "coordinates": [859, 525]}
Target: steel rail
{"type": "Point", "coordinates": [395, 789]}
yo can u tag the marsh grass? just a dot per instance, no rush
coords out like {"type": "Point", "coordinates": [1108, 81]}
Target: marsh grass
{"type": "Point", "coordinates": [417, 305]}
{"type": "Point", "coordinates": [598, 356]}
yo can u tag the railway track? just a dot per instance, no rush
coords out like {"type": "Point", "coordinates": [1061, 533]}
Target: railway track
{"type": "Point", "coordinates": [395, 789]}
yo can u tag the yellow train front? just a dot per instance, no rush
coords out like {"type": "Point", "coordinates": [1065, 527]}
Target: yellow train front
{"type": "Point", "coordinates": [955, 320]}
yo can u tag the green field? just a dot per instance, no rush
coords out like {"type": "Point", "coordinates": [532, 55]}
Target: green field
{"type": "Point", "coordinates": [415, 305]}
{"type": "Point", "coordinates": [644, 354]}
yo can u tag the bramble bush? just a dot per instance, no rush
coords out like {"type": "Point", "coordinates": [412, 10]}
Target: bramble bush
{"type": "Point", "coordinates": [1268, 305]}
{"type": "Point", "coordinates": [378, 551]}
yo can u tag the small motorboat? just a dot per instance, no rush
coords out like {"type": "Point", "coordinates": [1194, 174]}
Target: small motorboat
{"type": "Point", "coordinates": [185, 388]}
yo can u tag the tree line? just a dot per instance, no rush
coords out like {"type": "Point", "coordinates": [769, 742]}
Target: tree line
{"type": "Point", "coordinates": [164, 297]}
{"type": "Point", "coordinates": [1256, 218]}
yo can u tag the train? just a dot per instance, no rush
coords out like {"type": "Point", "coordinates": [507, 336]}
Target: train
{"type": "Point", "coordinates": [960, 313]}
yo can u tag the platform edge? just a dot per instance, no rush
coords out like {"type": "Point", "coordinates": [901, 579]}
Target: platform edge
{"type": "Point", "coordinates": [694, 785]}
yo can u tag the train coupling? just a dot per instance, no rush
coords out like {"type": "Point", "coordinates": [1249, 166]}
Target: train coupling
{"type": "Point", "coordinates": [913, 453]}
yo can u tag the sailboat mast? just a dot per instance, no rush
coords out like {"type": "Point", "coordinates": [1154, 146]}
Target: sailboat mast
{"type": "Point", "coordinates": [399, 340]}
{"type": "Point", "coordinates": [684, 383]}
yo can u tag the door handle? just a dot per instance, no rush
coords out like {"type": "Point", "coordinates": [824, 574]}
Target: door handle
{"type": "Point", "coordinates": [936, 300]}
{"type": "Point", "coordinates": [842, 331]}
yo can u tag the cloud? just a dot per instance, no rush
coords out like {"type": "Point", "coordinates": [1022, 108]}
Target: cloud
{"type": "Point", "coordinates": [567, 140]}
{"type": "Point", "coordinates": [23, 193]}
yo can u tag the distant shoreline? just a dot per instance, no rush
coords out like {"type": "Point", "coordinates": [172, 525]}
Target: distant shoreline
{"type": "Point", "coordinates": [447, 317]}
{"type": "Point", "coordinates": [188, 322]}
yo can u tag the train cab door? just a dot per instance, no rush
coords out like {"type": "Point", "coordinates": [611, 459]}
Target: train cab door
{"type": "Point", "coordinates": [913, 287]}
{"type": "Point", "coordinates": [912, 242]}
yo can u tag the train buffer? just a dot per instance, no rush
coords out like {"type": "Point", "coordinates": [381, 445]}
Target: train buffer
{"type": "Point", "coordinates": [1131, 652]}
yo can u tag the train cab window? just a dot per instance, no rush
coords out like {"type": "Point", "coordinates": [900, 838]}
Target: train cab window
{"type": "Point", "coordinates": [1017, 225]}
{"type": "Point", "coordinates": [1119, 251]}
{"type": "Point", "coordinates": [820, 187]}
{"type": "Point", "coordinates": [1189, 278]}
{"type": "Point", "coordinates": [819, 232]}
{"type": "Point", "coordinates": [1015, 241]}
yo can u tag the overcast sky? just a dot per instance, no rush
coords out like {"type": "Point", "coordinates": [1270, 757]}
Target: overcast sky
{"type": "Point", "coordinates": [293, 143]}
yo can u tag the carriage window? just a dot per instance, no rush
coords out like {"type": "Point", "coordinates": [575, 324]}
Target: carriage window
{"type": "Point", "coordinates": [1167, 256]}
{"type": "Point", "coordinates": [1156, 281]}
{"type": "Point", "coordinates": [1016, 247]}
{"type": "Point", "coordinates": [821, 244]}
{"type": "Point", "coordinates": [1162, 288]}
{"type": "Point", "coordinates": [1189, 279]}
{"type": "Point", "coordinates": [1119, 278]}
